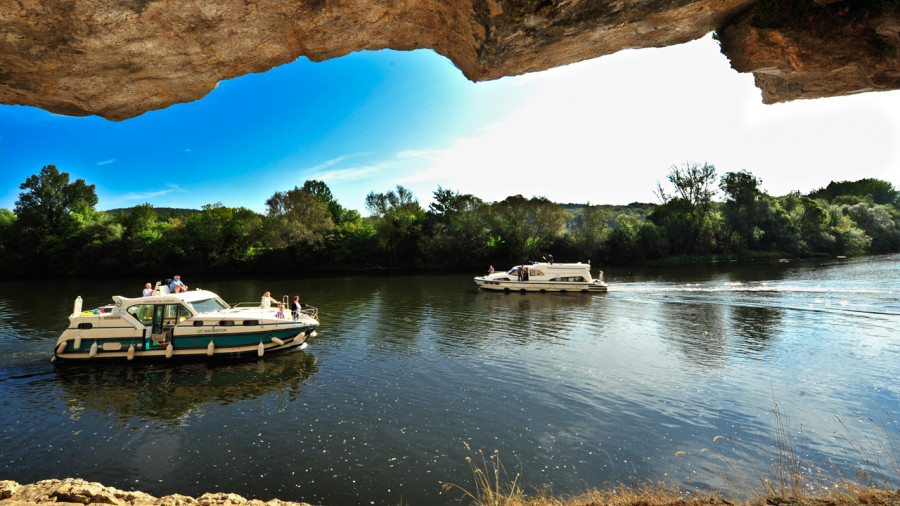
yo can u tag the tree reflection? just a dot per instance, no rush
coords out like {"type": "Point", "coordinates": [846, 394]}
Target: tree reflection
{"type": "Point", "coordinates": [166, 392]}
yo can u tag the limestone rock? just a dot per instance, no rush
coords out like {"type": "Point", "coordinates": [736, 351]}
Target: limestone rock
{"type": "Point", "coordinates": [120, 58]}
{"type": "Point", "coordinates": [835, 52]}
{"type": "Point", "coordinates": [77, 491]}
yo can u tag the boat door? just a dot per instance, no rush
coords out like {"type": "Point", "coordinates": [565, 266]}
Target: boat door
{"type": "Point", "coordinates": [160, 333]}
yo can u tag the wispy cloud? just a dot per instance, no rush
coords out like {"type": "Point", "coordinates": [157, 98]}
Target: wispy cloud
{"type": "Point", "coordinates": [170, 188]}
{"type": "Point", "coordinates": [106, 162]}
{"type": "Point", "coordinates": [348, 174]}
{"type": "Point", "coordinates": [334, 161]}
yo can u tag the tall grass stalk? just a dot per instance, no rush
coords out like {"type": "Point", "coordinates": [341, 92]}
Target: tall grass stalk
{"type": "Point", "coordinates": [493, 486]}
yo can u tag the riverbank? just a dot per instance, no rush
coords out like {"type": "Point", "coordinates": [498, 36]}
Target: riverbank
{"type": "Point", "coordinates": [78, 491]}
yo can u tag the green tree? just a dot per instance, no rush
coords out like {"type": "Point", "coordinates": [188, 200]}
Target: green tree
{"type": "Point", "coordinates": [49, 199]}
{"type": "Point", "coordinates": [322, 193]}
{"type": "Point", "coordinates": [684, 211]}
{"type": "Point", "coordinates": [220, 237]}
{"type": "Point", "coordinates": [527, 228]}
{"type": "Point", "coordinates": [397, 218]}
{"type": "Point", "coordinates": [299, 218]}
{"type": "Point", "coordinates": [745, 207]}
{"type": "Point", "coordinates": [588, 229]}
{"type": "Point", "coordinates": [457, 231]}
{"type": "Point", "coordinates": [882, 192]}
{"type": "Point", "coordinates": [878, 224]}
{"type": "Point", "coordinates": [8, 245]}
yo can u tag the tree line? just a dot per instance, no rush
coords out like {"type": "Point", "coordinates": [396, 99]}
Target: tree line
{"type": "Point", "coordinates": [55, 229]}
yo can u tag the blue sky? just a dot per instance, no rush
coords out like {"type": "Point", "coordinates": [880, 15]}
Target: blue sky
{"type": "Point", "coordinates": [602, 131]}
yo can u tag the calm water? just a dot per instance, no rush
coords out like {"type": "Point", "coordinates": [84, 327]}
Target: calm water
{"type": "Point", "coordinates": [573, 390]}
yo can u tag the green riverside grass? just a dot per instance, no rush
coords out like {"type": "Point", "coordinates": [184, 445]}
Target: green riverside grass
{"type": "Point", "coordinates": [787, 482]}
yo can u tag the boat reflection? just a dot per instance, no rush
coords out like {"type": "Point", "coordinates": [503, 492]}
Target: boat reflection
{"type": "Point", "coordinates": [167, 392]}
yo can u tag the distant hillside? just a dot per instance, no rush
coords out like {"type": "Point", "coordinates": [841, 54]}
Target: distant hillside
{"type": "Point", "coordinates": [637, 209]}
{"type": "Point", "coordinates": [163, 213]}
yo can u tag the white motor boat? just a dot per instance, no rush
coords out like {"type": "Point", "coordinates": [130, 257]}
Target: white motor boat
{"type": "Point", "coordinates": [195, 323]}
{"type": "Point", "coordinates": [544, 277]}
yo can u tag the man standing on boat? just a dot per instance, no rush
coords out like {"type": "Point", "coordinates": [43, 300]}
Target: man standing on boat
{"type": "Point", "coordinates": [267, 301]}
{"type": "Point", "coordinates": [296, 307]}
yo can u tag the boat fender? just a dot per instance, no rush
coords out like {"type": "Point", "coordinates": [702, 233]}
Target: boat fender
{"type": "Point", "coordinates": [78, 341]}
{"type": "Point", "coordinates": [313, 334]}
{"type": "Point", "coordinates": [169, 351]}
{"type": "Point", "coordinates": [93, 352]}
{"type": "Point", "coordinates": [53, 359]}
{"type": "Point", "coordinates": [61, 348]}
{"type": "Point", "coordinates": [261, 349]}
{"type": "Point", "coordinates": [130, 354]}
{"type": "Point", "coordinates": [277, 341]}
{"type": "Point", "coordinates": [210, 348]}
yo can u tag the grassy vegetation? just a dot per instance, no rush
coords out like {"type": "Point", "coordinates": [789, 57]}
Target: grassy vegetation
{"type": "Point", "coordinates": [787, 481]}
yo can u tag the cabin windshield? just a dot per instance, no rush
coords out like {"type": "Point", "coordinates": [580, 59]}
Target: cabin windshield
{"type": "Point", "coordinates": [207, 305]}
{"type": "Point", "coordinates": [513, 270]}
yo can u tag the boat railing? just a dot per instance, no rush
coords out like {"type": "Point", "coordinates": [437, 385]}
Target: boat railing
{"type": "Point", "coordinates": [307, 310]}
{"type": "Point", "coordinates": [246, 305]}
{"type": "Point", "coordinates": [311, 311]}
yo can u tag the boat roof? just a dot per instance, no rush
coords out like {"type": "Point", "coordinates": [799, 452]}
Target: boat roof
{"type": "Point", "coordinates": [558, 265]}
{"type": "Point", "coordinates": [170, 298]}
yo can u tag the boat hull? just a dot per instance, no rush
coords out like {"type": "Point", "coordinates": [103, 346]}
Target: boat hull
{"type": "Point", "coordinates": [224, 346]}
{"type": "Point", "coordinates": [540, 286]}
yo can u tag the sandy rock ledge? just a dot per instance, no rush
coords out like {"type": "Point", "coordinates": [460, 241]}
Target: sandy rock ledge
{"type": "Point", "coordinates": [78, 491]}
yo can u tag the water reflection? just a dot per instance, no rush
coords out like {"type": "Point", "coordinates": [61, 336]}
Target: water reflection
{"type": "Point", "coordinates": [166, 392]}
{"type": "Point", "coordinates": [574, 390]}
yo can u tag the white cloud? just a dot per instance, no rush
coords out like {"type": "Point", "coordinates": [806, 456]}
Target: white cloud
{"type": "Point", "coordinates": [607, 130]}
{"type": "Point", "coordinates": [149, 195]}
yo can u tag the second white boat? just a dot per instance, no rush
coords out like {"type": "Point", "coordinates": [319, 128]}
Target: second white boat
{"type": "Point", "coordinates": [544, 277]}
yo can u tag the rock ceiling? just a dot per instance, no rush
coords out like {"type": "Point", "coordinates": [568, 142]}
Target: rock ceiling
{"type": "Point", "coordinates": [120, 58]}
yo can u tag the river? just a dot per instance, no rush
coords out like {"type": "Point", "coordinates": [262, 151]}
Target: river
{"type": "Point", "coordinates": [409, 375]}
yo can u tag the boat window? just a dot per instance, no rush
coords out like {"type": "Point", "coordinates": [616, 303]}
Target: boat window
{"type": "Point", "coordinates": [227, 323]}
{"type": "Point", "coordinates": [538, 272]}
{"type": "Point", "coordinates": [207, 305]}
{"type": "Point", "coordinates": [514, 270]}
{"type": "Point", "coordinates": [84, 326]}
{"type": "Point", "coordinates": [198, 323]}
{"type": "Point", "coordinates": [143, 313]}
{"type": "Point", "coordinates": [570, 279]}
{"type": "Point", "coordinates": [175, 313]}
{"type": "Point", "coordinates": [250, 323]}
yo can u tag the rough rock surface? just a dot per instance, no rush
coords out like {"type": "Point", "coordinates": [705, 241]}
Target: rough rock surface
{"type": "Point", "coordinates": [77, 491]}
{"type": "Point", "coordinates": [121, 58]}
{"type": "Point", "coordinates": [814, 53]}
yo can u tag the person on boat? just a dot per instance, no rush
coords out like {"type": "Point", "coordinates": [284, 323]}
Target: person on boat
{"type": "Point", "coordinates": [280, 313]}
{"type": "Point", "coordinates": [177, 286]}
{"type": "Point", "coordinates": [296, 307]}
{"type": "Point", "coordinates": [550, 258]}
{"type": "Point", "coordinates": [267, 301]}
{"type": "Point", "coordinates": [148, 291]}
{"type": "Point", "coordinates": [490, 269]}
{"type": "Point", "coordinates": [519, 273]}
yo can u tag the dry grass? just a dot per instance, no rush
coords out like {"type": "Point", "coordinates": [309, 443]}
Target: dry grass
{"type": "Point", "coordinates": [786, 482]}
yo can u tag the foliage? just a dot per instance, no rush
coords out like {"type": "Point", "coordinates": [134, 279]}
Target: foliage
{"type": "Point", "coordinates": [300, 218]}
{"type": "Point", "coordinates": [55, 230]}
{"type": "Point", "coordinates": [397, 218]}
{"type": "Point", "coordinates": [49, 199]}
{"type": "Point", "coordinates": [684, 211]}
{"type": "Point", "coordinates": [882, 192]}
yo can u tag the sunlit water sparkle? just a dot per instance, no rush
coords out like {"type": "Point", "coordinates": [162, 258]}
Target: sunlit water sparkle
{"type": "Point", "coordinates": [662, 378]}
